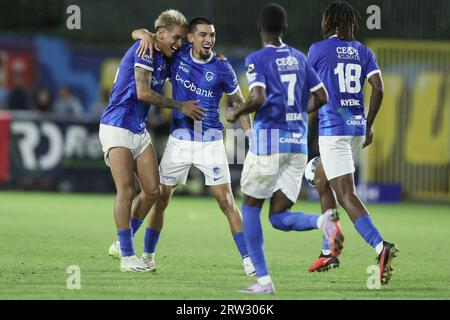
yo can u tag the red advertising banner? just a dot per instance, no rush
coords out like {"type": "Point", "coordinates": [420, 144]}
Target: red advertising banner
{"type": "Point", "coordinates": [5, 125]}
{"type": "Point", "coordinates": [19, 65]}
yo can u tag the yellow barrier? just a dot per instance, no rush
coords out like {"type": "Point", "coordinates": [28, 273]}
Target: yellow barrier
{"type": "Point", "coordinates": [412, 132]}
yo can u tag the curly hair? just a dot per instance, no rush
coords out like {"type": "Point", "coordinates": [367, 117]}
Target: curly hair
{"type": "Point", "coordinates": [340, 18]}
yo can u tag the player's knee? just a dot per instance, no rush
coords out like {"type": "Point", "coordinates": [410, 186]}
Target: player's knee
{"type": "Point", "coordinates": [279, 208]}
{"type": "Point", "coordinates": [277, 223]}
{"type": "Point", "coordinates": [164, 198]}
{"type": "Point", "coordinates": [322, 185]}
{"type": "Point", "coordinates": [126, 193]}
{"type": "Point", "coordinates": [225, 203]}
{"type": "Point", "coordinates": [150, 195]}
{"type": "Point", "coordinates": [345, 197]}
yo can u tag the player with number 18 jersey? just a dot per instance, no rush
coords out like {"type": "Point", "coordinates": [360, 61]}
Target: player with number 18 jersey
{"type": "Point", "coordinates": [343, 66]}
{"type": "Point", "coordinates": [344, 63]}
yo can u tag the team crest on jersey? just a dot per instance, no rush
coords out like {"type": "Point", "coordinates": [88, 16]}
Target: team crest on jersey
{"type": "Point", "coordinates": [216, 170]}
{"type": "Point", "coordinates": [209, 76]}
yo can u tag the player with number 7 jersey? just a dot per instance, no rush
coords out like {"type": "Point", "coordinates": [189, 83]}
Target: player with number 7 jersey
{"type": "Point", "coordinates": [281, 83]}
{"type": "Point", "coordinates": [288, 79]}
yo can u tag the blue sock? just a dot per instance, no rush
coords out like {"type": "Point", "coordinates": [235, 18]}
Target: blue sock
{"type": "Point", "coordinates": [126, 242]}
{"type": "Point", "coordinates": [239, 239]}
{"type": "Point", "coordinates": [325, 244]}
{"type": "Point", "coordinates": [298, 221]}
{"type": "Point", "coordinates": [254, 239]}
{"type": "Point", "coordinates": [368, 231]}
{"type": "Point", "coordinates": [150, 240]}
{"type": "Point", "coordinates": [136, 224]}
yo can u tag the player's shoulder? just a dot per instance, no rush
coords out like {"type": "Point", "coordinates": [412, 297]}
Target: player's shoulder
{"type": "Point", "coordinates": [132, 50]}
{"type": "Point", "coordinates": [366, 48]}
{"type": "Point", "coordinates": [257, 54]}
{"type": "Point", "coordinates": [185, 48]}
{"type": "Point", "coordinates": [359, 44]}
{"type": "Point", "coordinates": [183, 52]}
{"type": "Point", "coordinates": [323, 44]}
{"type": "Point", "coordinates": [364, 51]}
{"type": "Point", "coordinates": [131, 56]}
{"type": "Point", "coordinates": [297, 52]}
{"type": "Point", "coordinates": [136, 44]}
{"type": "Point", "coordinates": [221, 64]}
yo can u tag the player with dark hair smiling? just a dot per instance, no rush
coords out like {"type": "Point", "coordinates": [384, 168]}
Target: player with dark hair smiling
{"type": "Point", "coordinates": [197, 73]}
{"type": "Point", "coordinates": [343, 64]}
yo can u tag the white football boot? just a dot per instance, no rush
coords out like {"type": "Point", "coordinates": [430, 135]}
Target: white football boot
{"type": "Point", "coordinates": [132, 264]}
{"type": "Point", "coordinates": [149, 260]}
{"type": "Point", "coordinates": [114, 250]}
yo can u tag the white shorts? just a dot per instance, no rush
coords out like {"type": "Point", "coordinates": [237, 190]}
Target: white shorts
{"type": "Point", "coordinates": [113, 137]}
{"type": "Point", "coordinates": [338, 154]}
{"type": "Point", "coordinates": [263, 175]}
{"type": "Point", "coordinates": [209, 157]}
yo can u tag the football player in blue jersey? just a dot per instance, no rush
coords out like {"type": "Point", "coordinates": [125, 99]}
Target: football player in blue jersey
{"type": "Point", "coordinates": [283, 89]}
{"type": "Point", "coordinates": [197, 73]}
{"type": "Point", "coordinates": [125, 141]}
{"type": "Point", "coordinates": [343, 64]}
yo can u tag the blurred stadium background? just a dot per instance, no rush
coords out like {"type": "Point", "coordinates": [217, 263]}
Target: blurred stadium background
{"type": "Point", "coordinates": [54, 85]}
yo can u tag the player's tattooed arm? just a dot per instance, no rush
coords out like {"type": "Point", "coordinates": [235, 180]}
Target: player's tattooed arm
{"type": "Point", "coordinates": [237, 100]}
{"type": "Point", "coordinates": [376, 98]}
{"type": "Point", "coordinates": [146, 94]}
{"type": "Point", "coordinates": [147, 41]}
{"type": "Point", "coordinates": [256, 99]}
{"type": "Point", "coordinates": [317, 99]}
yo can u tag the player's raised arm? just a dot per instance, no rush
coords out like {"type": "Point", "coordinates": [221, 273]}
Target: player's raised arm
{"type": "Point", "coordinates": [147, 41]}
{"type": "Point", "coordinates": [237, 100]}
{"type": "Point", "coordinates": [144, 93]}
{"type": "Point", "coordinates": [376, 97]}
{"type": "Point", "coordinates": [256, 100]}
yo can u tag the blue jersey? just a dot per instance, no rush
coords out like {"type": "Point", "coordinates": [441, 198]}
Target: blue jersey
{"type": "Point", "coordinates": [205, 81]}
{"type": "Point", "coordinates": [281, 123]}
{"type": "Point", "coordinates": [124, 109]}
{"type": "Point", "coordinates": [343, 66]}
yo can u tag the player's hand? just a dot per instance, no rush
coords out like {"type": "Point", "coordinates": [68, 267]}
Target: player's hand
{"type": "Point", "coordinates": [231, 115]}
{"type": "Point", "coordinates": [221, 57]}
{"type": "Point", "coordinates": [369, 138]}
{"type": "Point", "coordinates": [145, 45]}
{"type": "Point", "coordinates": [191, 110]}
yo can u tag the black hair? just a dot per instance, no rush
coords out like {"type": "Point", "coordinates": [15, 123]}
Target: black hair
{"type": "Point", "coordinates": [273, 19]}
{"type": "Point", "coordinates": [196, 21]}
{"type": "Point", "coordinates": [340, 17]}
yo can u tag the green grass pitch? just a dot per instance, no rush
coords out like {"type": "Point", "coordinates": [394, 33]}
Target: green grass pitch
{"type": "Point", "coordinates": [44, 233]}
